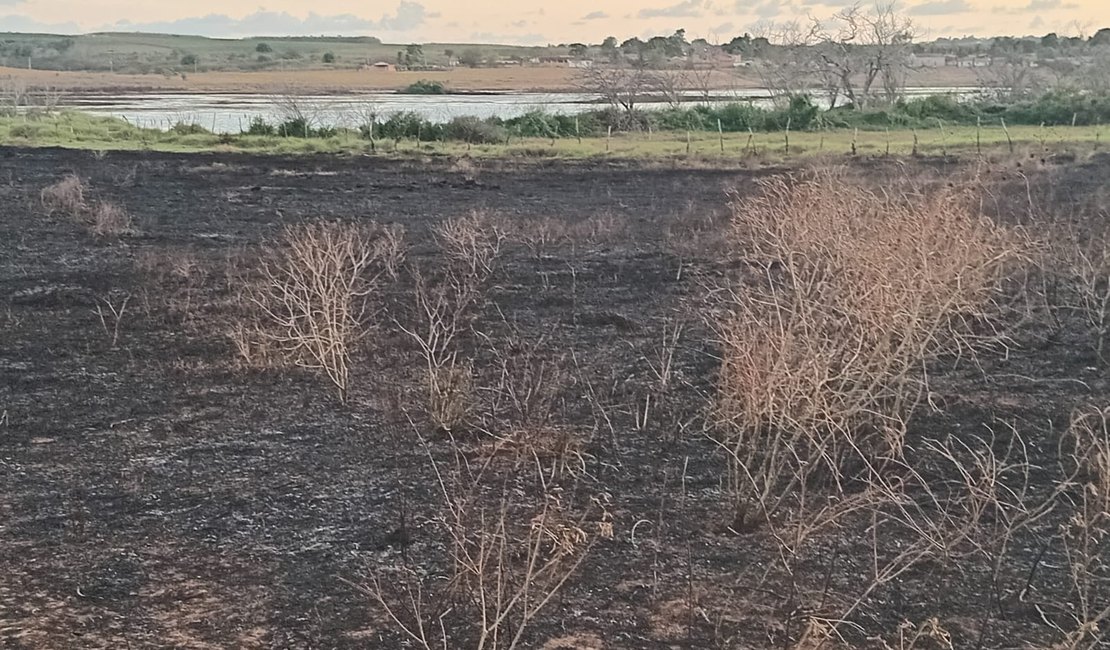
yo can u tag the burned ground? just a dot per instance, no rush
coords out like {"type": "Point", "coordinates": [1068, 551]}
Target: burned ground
{"type": "Point", "coordinates": [155, 490]}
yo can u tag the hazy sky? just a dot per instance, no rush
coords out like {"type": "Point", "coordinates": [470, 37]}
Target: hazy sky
{"type": "Point", "coordinates": [526, 21]}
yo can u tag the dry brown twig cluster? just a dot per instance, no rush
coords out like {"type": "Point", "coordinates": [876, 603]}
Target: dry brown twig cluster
{"type": "Point", "coordinates": [849, 294]}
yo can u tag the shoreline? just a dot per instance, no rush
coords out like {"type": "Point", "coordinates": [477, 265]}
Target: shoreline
{"type": "Point", "coordinates": [460, 81]}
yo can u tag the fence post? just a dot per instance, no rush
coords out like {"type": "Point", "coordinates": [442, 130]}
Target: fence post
{"type": "Point", "coordinates": [979, 135]}
{"type": "Point", "coordinates": [608, 137]}
{"type": "Point", "coordinates": [789, 121]}
{"type": "Point", "coordinates": [1007, 132]}
{"type": "Point", "coordinates": [721, 135]}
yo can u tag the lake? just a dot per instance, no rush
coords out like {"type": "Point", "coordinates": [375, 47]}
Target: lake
{"type": "Point", "coordinates": [231, 113]}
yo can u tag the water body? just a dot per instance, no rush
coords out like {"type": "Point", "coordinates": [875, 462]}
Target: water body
{"type": "Point", "coordinates": [231, 113]}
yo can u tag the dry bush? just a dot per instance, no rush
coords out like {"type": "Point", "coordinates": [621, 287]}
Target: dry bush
{"type": "Point", "coordinates": [825, 342]}
{"type": "Point", "coordinates": [317, 280]}
{"type": "Point", "coordinates": [450, 395]}
{"type": "Point", "coordinates": [539, 235]}
{"type": "Point", "coordinates": [390, 248]}
{"type": "Point", "coordinates": [445, 301]}
{"type": "Point", "coordinates": [110, 220]}
{"type": "Point", "coordinates": [1085, 455]}
{"type": "Point", "coordinates": [443, 307]}
{"type": "Point", "coordinates": [600, 229]}
{"type": "Point", "coordinates": [508, 562]}
{"type": "Point", "coordinates": [522, 401]}
{"type": "Point", "coordinates": [472, 242]}
{"type": "Point", "coordinates": [1087, 262]}
{"type": "Point", "coordinates": [67, 196]}
{"type": "Point", "coordinates": [467, 168]}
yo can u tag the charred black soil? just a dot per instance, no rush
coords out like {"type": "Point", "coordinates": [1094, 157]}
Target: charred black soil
{"type": "Point", "coordinates": [158, 491]}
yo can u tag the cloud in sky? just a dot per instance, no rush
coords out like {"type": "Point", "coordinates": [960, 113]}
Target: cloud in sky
{"type": "Point", "coordinates": [407, 17]}
{"type": "Point", "coordinates": [519, 22]}
{"type": "Point", "coordinates": [683, 9]}
{"type": "Point", "coordinates": [20, 23]}
{"type": "Point", "coordinates": [940, 8]}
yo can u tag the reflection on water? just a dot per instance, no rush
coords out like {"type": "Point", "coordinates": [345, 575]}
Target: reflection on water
{"type": "Point", "coordinates": [228, 113]}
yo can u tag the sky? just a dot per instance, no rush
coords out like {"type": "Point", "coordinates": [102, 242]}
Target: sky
{"type": "Point", "coordinates": [528, 22]}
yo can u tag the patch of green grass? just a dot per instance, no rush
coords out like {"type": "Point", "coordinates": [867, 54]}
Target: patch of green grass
{"type": "Point", "coordinates": [84, 131]}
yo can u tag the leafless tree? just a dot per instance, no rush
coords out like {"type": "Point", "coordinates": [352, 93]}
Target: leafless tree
{"type": "Point", "coordinates": [621, 86]}
{"type": "Point", "coordinates": [788, 68]}
{"type": "Point", "coordinates": [293, 105]}
{"type": "Point", "coordinates": [867, 52]}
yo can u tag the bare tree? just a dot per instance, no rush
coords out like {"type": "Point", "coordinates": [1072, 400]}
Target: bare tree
{"type": "Point", "coordinates": [621, 86]}
{"type": "Point", "coordinates": [787, 69]}
{"type": "Point", "coordinates": [670, 85]}
{"type": "Point", "coordinates": [866, 52]}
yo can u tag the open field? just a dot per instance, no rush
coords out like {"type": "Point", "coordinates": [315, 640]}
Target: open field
{"type": "Point", "coordinates": [540, 428]}
{"type": "Point", "coordinates": [520, 79]}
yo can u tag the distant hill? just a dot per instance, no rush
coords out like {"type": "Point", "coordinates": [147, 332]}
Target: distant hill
{"type": "Point", "coordinates": [169, 54]}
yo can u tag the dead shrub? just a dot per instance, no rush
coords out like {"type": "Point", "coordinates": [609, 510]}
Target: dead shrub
{"type": "Point", "coordinates": [110, 220]}
{"type": "Point", "coordinates": [314, 297]}
{"type": "Point", "coordinates": [1085, 455]}
{"type": "Point", "coordinates": [390, 248]}
{"type": "Point", "coordinates": [848, 294]}
{"type": "Point", "coordinates": [67, 196]}
{"type": "Point", "coordinates": [450, 395]}
{"type": "Point", "coordinates": [472, 242]}
{"type": "Point", "coordinates": [509, 561]}
{"type": "Point", "coordinates": [1087, 262]}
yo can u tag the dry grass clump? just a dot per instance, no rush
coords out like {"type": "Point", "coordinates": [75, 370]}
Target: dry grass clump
{"type": "Point", "coordinates": [849, 294]}
{"type": "Point", "coordinates": [67, 196]}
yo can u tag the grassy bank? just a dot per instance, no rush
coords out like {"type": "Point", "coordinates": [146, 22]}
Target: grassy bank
{"type": "Point", "coordinates": [83, 131]}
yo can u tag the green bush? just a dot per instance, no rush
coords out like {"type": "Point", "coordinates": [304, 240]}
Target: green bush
{"type": "Point", "coordinates": [537, 124]}
{"type": "Point", "coordinates": [679, 119]}
{"type": "Point", "coordinates": [408, 125]}
{"type": "Point", "coordinates": [424, 87]}
{"type": "Point", "coordinates": [474, 131]}
{"type": "Point", "coordinates": [189, 128]}
{"type": "Point", "coordinates": [259, 126]}
{"type": "Point", "coordinates": [26, 131]}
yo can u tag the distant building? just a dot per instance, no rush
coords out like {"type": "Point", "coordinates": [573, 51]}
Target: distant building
{"type": "Point", "coordinates": [383, 66]}
{"type": "Point", "coordinates": [565, 62]}
{"type": "Point", "coordinates": [929, 60]}
{"type": "Point", "coordinates": [978, 61]}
